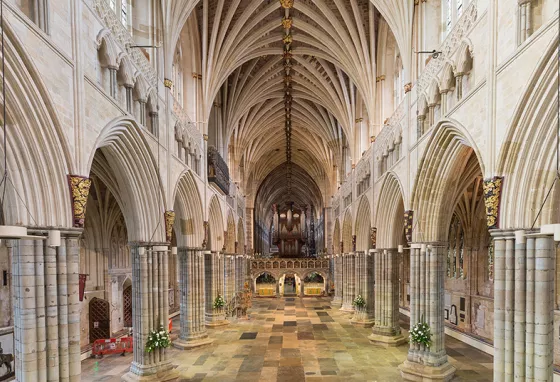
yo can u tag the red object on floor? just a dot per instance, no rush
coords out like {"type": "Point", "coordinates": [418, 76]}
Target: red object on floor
{"type": "Point", "coordinates": [112, 346]}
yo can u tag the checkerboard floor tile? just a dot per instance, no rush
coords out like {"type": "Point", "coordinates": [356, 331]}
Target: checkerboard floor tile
{"type": "Point", "coordinates": [293, 340]}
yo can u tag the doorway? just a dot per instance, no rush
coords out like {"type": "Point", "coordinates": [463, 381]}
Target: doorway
{"type": "Point", "coordinates": [99, 320]}
{"type": "Point", "coordinates": [127, 306]}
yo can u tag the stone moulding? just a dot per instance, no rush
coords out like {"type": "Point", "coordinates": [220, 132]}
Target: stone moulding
{"type": "Point", "coordinates": [205, 226]}
{"type": "Point", "coordinates": [124, 38]}
{"type": "Point", "coordinates": [169, 221]}
{"type": "Point", "coordinates": [492, 188]}
{"type": "Point", "coordinates": [79, 192]}
{"type": "Point", "coordinates": [373, 236]}
{"type": "Point", "coordinates": [408, 219]}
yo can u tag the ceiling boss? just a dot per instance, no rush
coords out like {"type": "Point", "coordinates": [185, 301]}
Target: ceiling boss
{"type": "Point", "coordinates": [287, 3]}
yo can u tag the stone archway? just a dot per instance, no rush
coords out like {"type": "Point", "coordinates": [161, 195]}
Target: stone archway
{"type": "Point", "coordinates": [265, 285]}
{"type": "Point", "coordinates": [314, 283]}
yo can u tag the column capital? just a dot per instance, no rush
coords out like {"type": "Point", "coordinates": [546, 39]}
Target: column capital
{"type": "Point", "coordinates": [64, 232]}
{"type": "Point", "coordinates": [433, 244]}
{"type": "Point", "coordinates": [148, 244]}
{"type": "Point", "coordinates": [509, 232]}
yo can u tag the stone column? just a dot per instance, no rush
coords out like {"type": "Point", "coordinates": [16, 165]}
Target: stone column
{"type": "Point", "coordinates": [46, 309]}
{"type": "Point", "coordinates": [191, 284]}
{"type": "Point", "coordinates": [229, 262]}
{"type": "Point", "coordinates": [337, 300]}
{"type": "Point", "coordinates": [214, 285]}
{"type": "Point", "coordinates": [113, 81]}
{"type": "Point", "coordinates": [344, 262]}
{"type": "Point", "coordinates": [150, 311]}
{"type": "Point", "coordinates": [427, 271]}
{"type": "Point", "coordinates": [364, 267]}
{"type": "Point", "coordinates": [349, 283]}
{"type": "Point", "coordinates": [238, 280]}
{"type": "Point", "coordinates": [523, 306]}
{"type": "Point", "coordinates": [387, 331]}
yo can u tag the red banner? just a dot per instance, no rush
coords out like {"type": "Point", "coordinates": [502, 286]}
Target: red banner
{"type": "Point", "coordinates": [83, 278]}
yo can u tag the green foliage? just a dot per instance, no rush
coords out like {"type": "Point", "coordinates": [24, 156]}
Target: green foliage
{"type": "Point", "coordinates": [219, 302]}
{"type": "Point", "coordinates": [421, 334]}
{"type": "Point", "coordinates": [359, 301]}
{"type": "Point", "coordinates": [158, 339]}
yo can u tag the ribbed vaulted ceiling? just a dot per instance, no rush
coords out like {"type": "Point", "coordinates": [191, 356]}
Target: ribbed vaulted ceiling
{"type": "Point", "coordinates": [333, 79]}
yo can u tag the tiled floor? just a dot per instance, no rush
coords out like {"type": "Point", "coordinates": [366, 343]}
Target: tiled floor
{"type": "Point", "coordinates": [292, 340]}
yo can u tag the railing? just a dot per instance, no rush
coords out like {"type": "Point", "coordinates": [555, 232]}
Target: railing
{"type": "Point", "coordinates": [449, 45]}
{"type": "Point", "coordinates": [189, 126]}
{"type": "Point", "coordinates": [218, 172]}
{"type": "Point", "coordinates": [237, 306]}
{"type": "Point", "coordinates": [124, 38]}
{"type": "Point", "coordinates": [363, 171]}
{"type": "Point", "coordinates": [112, 346]}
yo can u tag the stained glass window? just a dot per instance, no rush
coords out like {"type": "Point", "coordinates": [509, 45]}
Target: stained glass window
{"type": "Point", "coordinates": [455, 249]}
{"type": "Point", "coordinates": [124, 11]}
{"type": "Point", "coordinates": [449, 17]}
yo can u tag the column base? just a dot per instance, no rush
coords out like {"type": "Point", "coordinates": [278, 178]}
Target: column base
{"type": "Point", "coordinates": [361, 318]}
{"type": "Point", "coordinates": [191, 344]}
{"type": "Point", "coordinates": [213, 324]}
{"type": "Point", "coordinates": [387, 341]}
{"type": "Point", "coordinates": [412, 371]}
{"type": "Point", "coordinates": [216, 319]}
{"type": "Point", "coordinates": [165, 374]}
{"type": "Point", "coordinates": [362, 323]}
{"type": "Point", "coordinates": [347, 309]}
{"type": "Point", "coordinates": [336, 301]}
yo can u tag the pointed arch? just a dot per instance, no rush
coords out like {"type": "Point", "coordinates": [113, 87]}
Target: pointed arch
{"type": "Point", "coordinates": [230, 240]}
{"type": "Point", "coordinates": [133, 177]}
{"type": "Point", "coordinates": [447, 154]}
{"type": "Point", "coordinates": [464, 62]}
{"type": "Point", "coordinates": [108, 48]}
{"type": "Point", "coordinates": [38, 154]}
{"type": "Point", "coordinates": [188, 212]}
{"type": "Point", "coordinates": [390, 213]}
{"type": "Point", "coordinates": [528, 155]}
{"type": "Point", "coordinates": [347, 232]}
{"type": "Point", "coordinates": [216, 225]}
{"type": "Point", "coordinates": [363, 225]}
{"type": "Point", "coordinates": [240, 237]}
{"type": "Point", "coordinates": [336, 237]}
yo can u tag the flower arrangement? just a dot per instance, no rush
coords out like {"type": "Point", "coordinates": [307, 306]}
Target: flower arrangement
{"type": "Point", "coordinates": [219, 302]}
{"type": "Point", "coordinates": [421, 334]}
{"type": "Point", "coordinates": [359, 301]}
{"type": "Point", "coordinates": [158, 339]}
